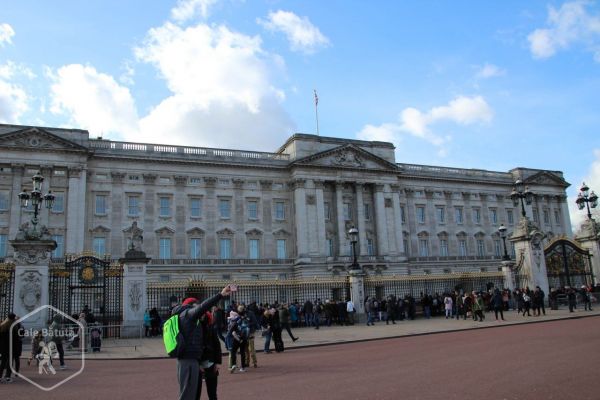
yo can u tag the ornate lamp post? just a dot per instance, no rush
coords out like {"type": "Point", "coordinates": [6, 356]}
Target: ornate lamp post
{"type": "Point", "coordinates": [502, 230]}
{"type": "Point", "coordinates": [585, 198]}
{"type": "Point", "coordinates": [37, 200]}
{"type": "Point", "coordinates": [522, 196]}
{"type": "Point", "coordinates": [353, 233]}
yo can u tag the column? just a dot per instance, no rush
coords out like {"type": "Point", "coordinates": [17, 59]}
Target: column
{"type": "Point", "coordinates": [380, 221]}
{"type": "Point", "coordinates": [134, 297]}
{"type": "Point", "coordinates": [397, 220]}
{"type": "Point", "coordinates": [564, 214]}
{"type": "Point", "coordinates": [360, 216]}
{"type": "Point", "coordinates": [76, 210]}
{"type": "Point", "coordinates": [321, 236]}
{"type": "Point", "coordinates": [210, 215]}
{"type": "Point", "coordinates": [339, 212]}
{"type": "Point", "coordinates": [15, 208]}
{"type": "Point", "coordinates": [300, 217]}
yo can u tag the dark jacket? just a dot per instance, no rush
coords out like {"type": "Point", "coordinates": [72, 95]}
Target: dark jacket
{"type": "Point", "coordinates": [496, 301]}
{"type": "Point", "coordinates": [211, 343]}
{"type": "Point", "coordinates": [190, 327]}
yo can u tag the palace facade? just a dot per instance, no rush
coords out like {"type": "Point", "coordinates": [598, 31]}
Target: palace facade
{"type": "Point", "coordinates": [236, 214]}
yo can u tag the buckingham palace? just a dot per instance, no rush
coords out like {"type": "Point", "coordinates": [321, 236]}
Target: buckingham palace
{"type": "Point", "coordinates": [238, 214]}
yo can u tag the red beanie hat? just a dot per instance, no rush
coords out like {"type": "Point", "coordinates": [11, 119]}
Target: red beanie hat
{"type": "Point", "coordinates": [189, 300]}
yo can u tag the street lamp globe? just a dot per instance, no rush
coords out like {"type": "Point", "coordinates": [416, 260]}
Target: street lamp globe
{"type": "Point", "coordinates": [353, 233]}
{"type": "Point", "coordinates": [502, 230]}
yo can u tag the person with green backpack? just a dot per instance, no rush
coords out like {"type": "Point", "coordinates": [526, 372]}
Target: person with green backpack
{"type": "Point", "coordinates": [184, 336]}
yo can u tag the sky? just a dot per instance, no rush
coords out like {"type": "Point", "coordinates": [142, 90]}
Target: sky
{"type": "Point", "coordinates": [470, 84]}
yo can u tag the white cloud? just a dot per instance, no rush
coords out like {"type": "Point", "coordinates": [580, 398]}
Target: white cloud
{"type": "Point", "coordinates": [6, 34]}
{"type": "Point", "coordinates": [301, 33]}
{"type": "Point", "coordinates": [93, 100]}
{"type": "Point", "coordinates": [592, 179]}
{"type": "Point", "coordinates": [13, 102]}
{"type": "Point", "coordinates": [188, 9]}
{"type": "Point", "coordinates": [222, 94]}
{"type": "Point", "coordinates": [568, 25]}
{"type": "Point", "coordinates": [11, 70]}
{"type": "Point", "coordinates": [126, 77]}
{"type": "Point", "coordinates": [489, 71]}
{"type": "Point", "coordinates": [462, 110]}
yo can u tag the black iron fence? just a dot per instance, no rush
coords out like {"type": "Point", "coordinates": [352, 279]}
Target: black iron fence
{"type": "Point", "coordinates": [165, 295]}
{"type": "Point", "coordinates": [7, 287]}
{"type": "Point", "coordinates": [399, 286]}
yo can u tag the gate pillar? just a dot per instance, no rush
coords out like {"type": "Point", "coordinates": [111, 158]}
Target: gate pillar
{"type": "Point", "coordinates": [31, 258]}
{"type": "Point", "coordinates": [509, 276]}
{"type": "Point", "coordinates": [528, 245]}
{"type": "Point", "coordinates": [589, 238]}
{"type": "Point", "coordinates": [135, 297]}
{"type": "Point", "coordinates": [357, 291]}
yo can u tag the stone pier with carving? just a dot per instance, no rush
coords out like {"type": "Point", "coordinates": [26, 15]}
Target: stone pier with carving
{"type": "Point", "coordinates": [31, 259]}
{"type": "Point", "coordinates": [589, 238]}
{"type": "Point", "coordinates": [135, 300]}
{"type": "Point", "coordinates": [527, 238]}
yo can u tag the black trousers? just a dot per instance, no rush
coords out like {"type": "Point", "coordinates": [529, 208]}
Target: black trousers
{"type": "Point", "coordinates": [211, 377]}
{"type": "Point", "coordinates": [499, 309]}
{"type": "Point", "coordinates": [5, 364]}
{"type": "Point", "coordinates": [289, 331]}
{"type": "Point", "coordinates": [241, 346]}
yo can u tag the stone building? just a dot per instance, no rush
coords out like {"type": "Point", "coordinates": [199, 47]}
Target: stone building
{"type": "Point", "coordinates": [237, 214]}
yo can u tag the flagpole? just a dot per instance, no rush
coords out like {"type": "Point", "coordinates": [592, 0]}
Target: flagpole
{"type": "Point", "coordinates": [317, 111]}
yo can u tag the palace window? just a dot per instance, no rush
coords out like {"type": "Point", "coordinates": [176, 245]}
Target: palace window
{"type": "Point", "coordinates": [441, 214]}
{"type": "Point", "coordinates": [458, 215]}
{"type": "Point", "coordinates": [370, 247]}
{"type": "Point", "coordinates": [195, 248]}
{"type": "Point", "coordinates": [164, 249]}
{"type": "Point", "coordinates": [423, 247]}
{"type": "Point", "coordinates": [477, 215]}
{"type": "Point", "coordinates": [225, 208]}
{"type": "Point", "coordinates": [327, 209]}
{"type": "Point", "coordinates": [59, 203]}
{"type": "Point", "coordinates": [195, 207]}
{"type": "Point", "coordinates": [279, 210]}
{"type": "Point", "coordinates": [546, 216]}
{"type": "Point", "coordinates": [60, 246]}
{"type": "Point", "coordinates": [253, 209]}
{"type": "Point", "coordinates": [3, 245]}
{"type": "Point", "coordinates": [510, 217]}
{"type": "Point", "coordinates": [100, 204]}
{"type": "Point", "coordinates": [253, 249]}
{"type": "Point", "coordinates": [3, 201]}
{"type": "Point", "coordinates": [330, 248]}
{"type": "Point", "coordinates": [347, 211]}
{"type": "Point", "coordinates": [494, 216]}
{"type": "Point", "coordinates": [557, 217]}
{"type": "Point", "coordinates": [225, 248]}
{"type": "Point", "coordinates": [133, 206]}
{"type": "Point", "coordinates": [402, 214]}
{"type": "Point", "coordinates": [99, 245]}
{"type": "Point", "coordinates": [164, 206]}
{"type": "Point", "coordinates": [421, 214]}
{"type": "Point", "coordinates": [443, 247]}
{"type": "Point", "coordinates": [480, 248]}
{"type": "Point", "coordinates": [367, 211]}
{"type": "Point", "coordinates": [462, 248]}
{"type": "Point", "coordinates": [497, 249]}
{"type": "Point", "coordinates": [281, 249]}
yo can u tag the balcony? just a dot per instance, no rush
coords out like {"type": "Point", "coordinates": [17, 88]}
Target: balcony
{"type": "Point", "coordinates": [168, 151]}
{"type": "Point", "coordinates": [227, 261]}
{"type": "Point", "coordinates": [454, 258]}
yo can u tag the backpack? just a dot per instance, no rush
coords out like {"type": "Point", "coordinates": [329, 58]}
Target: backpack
{"type": "Point", "coordinates": [172, 337]}
{"type": "Point", "coordinates": [243, 328]}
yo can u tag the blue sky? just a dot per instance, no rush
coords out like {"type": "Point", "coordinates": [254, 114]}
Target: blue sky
{"type": "Point", "coordinates": [490, 85]}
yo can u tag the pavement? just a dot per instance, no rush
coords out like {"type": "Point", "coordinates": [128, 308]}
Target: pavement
{"type": "Point", "coordinates": [553, 360]}
{"type": "Point", "coordinates": [150, 348]}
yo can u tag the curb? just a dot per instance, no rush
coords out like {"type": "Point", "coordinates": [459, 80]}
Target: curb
{"type": "Point", "coordinates": [299, 347]}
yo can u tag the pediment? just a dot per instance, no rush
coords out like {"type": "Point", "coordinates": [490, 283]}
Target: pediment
{"type": "Point", "coordinates": [347, 156]}
{"type": "Point", "coordinates": [225, 232]}
{"type": "Point", "coordinates": [38, 139]}
{"type": "Point", "coordinates": [281, 232]}
{"type": "Point", "coordinates": [100, 229]}
{"type": "Point", "coordinates": [254, 232]}
{"type": "Point", "coordinates": [195, 231]}
{"type": "Point", "coordinates": [165, 230]}
{"type": "Point", "coordinates": [546, 178]}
